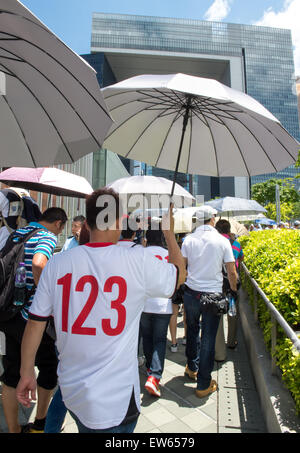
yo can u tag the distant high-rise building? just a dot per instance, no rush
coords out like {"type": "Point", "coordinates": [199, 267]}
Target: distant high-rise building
{"type": "Point", "coordinates": [298, 94]}
{"type": "Point", "coordinates": [256, 60]}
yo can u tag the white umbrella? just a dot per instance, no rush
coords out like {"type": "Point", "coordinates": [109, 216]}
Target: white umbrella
{"type": "Point", "coordinates": [185, 220]}
{"type": "Point", "coordinates": [195, 125]}
{"type": "Point", "coordinates": [234, 206]}
{"type": "Point", "coordinates": [52, 111]}
{"type": "Point", "coordinates": [247, 217]}
{"type": "Point", "coordinates": [152, 185]}
{"type": "Point", "coordinates": [48, 180]}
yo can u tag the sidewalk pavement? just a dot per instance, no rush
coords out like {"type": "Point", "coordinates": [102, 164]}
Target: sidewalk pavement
{"type": "Point", "coordinates": [234, 408]}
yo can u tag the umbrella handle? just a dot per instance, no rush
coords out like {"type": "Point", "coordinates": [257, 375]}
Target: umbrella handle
{"type": "Point", "coordinates": [184, 124]}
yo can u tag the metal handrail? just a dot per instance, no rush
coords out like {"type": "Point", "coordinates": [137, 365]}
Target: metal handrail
{"type": "Point", "coordinates": [276, 317]}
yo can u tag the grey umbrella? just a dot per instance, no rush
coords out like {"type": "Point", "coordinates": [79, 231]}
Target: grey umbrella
{"type": "Point", "coordinates": [52, 111]}
{"type": "Point", "coordinates": [234, 206]}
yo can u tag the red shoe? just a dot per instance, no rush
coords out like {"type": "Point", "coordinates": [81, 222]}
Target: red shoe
{"type": "Point", "coordinates": [152, 386]}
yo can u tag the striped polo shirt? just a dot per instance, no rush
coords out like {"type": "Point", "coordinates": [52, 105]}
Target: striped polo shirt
{"type": "Point", "coordinates": [42, 242]}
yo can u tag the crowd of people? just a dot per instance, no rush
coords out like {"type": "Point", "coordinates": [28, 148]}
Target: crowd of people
{"type": "Point", "coordinates": [108, 295]}
{"type": "Point", "coordinates": [274, 226]}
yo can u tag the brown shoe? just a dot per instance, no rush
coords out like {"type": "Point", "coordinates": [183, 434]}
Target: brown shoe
{"type": "Point", "coordinates": [212, 388]}
{"type": "Point", "coordinates": [191, 374]}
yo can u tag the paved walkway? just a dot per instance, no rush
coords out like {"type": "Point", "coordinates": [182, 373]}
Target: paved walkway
{"type": "Point", "coordinates": [234, 408]}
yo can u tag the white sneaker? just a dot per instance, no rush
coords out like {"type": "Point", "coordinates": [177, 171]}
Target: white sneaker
{"type": "Point", "coordinates": [184, 340]}
{"type": "Point", "coordinates": [174, 347]}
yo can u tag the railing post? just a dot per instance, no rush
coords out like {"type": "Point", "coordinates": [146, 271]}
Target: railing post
{"type": "Point", "coordinates": [273, 343]}
{"type": "Point", "coordinates": [255, 304]}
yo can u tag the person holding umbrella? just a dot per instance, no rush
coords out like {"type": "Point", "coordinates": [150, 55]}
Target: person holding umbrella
{"type": "Point", "coordinates": [96, 312]}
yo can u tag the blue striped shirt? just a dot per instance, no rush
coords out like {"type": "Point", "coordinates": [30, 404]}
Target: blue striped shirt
{"type": "Point", "coordinates": [42, 242]}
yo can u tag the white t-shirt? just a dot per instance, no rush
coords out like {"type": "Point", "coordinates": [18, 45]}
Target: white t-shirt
{"type": "Point", "coordinates": [158, 305]}
{"type": "Point", "coordinates": [206, 250]}
{"type": "Point", "coordinates": [96, 293]}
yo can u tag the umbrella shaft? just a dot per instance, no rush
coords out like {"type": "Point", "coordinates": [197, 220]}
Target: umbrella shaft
{"type": "Point", "coordinates": [185, 120]}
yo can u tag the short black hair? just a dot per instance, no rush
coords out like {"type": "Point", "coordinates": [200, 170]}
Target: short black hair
{"type": "Point", "coordinates": [51, 215]}
{"type": "Point", "coordinates": [154, 234]}
{"type": "Point", "coordinates": [223, 226]}
{"type": "Point", "coordinates": [93, 210]}
{"type": "Point", "coordinates": [127, 232]}
{"type": "Point", "coordinates": [79, 218]}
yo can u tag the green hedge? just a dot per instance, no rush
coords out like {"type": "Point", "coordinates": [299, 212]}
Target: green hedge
{"type": "Point", "coordinates": [273, 259]}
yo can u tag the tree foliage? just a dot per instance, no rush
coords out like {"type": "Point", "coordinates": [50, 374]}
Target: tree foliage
{"type": "Point", "coordinates": [273, 259]}
{"type": "Point", "coordinates": [265, 192]}
{"type": "Point", "coordinates": [288, 211]}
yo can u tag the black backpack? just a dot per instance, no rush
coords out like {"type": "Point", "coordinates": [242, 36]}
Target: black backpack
{"type": "Point", "coordinates": [10, 256]}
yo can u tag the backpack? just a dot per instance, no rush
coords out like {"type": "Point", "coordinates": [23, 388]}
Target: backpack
{"type": "Point", "coordinates": [10, 256]}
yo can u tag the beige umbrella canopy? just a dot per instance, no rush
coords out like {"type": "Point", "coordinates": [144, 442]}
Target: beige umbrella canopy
{"type": "Point", "coordinates": [238, 228]}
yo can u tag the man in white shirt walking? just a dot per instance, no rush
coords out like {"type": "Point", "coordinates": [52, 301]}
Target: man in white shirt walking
{"type": "Point", "coordinates": [204, 251]}
{"type": "Point", "coordinates": [96, 308]}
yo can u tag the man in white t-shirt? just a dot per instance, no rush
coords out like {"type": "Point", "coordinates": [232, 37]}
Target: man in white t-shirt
{"type": "Point", "coordinates": [205, 251]}
{"type": "Point", "coordinates": [96, 308]}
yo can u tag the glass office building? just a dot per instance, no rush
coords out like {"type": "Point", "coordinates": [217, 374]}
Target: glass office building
{"type": "Point", "coordinates": [256, 60]}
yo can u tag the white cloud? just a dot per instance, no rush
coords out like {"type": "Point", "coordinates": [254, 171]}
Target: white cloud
{"type": "Point", "coordinates": [288, 17]}
{"type": "Point", "coordinates": [218, 10]}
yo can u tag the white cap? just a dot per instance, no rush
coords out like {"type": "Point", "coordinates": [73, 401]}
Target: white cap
{"type": "Point", "coordinates": [205, 212]}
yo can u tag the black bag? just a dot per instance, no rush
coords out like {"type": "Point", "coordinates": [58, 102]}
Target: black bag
{"type": "Point", "coordinates": [177, 299]}
{"type": "Point", "coordinates": [214, 302]}
{"type": "Point", "coordinates": [10, 256]}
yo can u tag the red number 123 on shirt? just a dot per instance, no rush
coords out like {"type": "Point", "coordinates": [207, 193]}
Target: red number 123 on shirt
{"type": "Point", "coordinates": [77, 327]}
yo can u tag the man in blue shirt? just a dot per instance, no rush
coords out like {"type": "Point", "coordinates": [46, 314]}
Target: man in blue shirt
{"type": "Point", "coordinates": [72, 241]}
{"type": "Point", "coordinates": [38, 250]}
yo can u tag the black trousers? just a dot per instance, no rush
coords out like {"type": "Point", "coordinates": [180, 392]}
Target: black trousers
{"type": "Point", "coordinates": [46, 359]}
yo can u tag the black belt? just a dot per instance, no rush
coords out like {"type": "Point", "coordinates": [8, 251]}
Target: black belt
{"type": "Point", "coordinates": [198, 294]}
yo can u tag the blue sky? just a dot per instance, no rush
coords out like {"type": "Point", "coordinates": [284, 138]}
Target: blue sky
{"type": "Point", "coordinates": [71, 19]}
